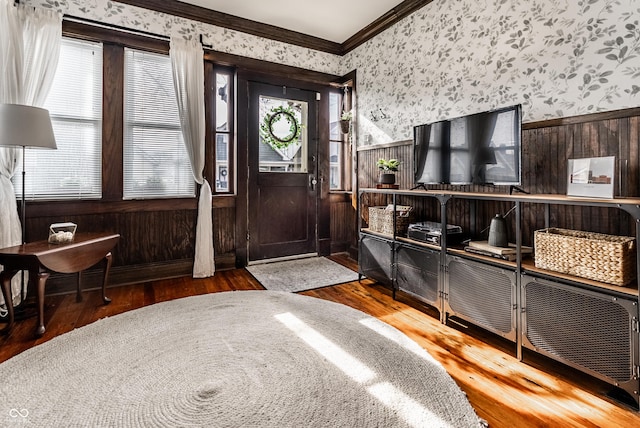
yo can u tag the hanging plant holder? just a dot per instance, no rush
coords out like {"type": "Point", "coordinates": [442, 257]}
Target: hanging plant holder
{"type": "Point", "coordinates": [345, 125]}
{"type": "Point", "coordinates": [347, 115]}
{"type": "Point", "coordinates": [275, 115]}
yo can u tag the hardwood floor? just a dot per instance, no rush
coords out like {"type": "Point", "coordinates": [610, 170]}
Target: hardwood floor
{"type": "Point", "coordinates": [504, 391]}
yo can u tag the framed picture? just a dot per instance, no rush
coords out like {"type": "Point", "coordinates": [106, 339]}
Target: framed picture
{"type": "Point", "coordinates": [591, 177]}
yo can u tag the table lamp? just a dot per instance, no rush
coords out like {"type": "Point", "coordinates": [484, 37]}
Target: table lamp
{"type": "Point", "coordinates": [25, 126]}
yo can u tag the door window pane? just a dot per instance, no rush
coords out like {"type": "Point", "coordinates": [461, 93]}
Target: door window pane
{"type": "Point", "coordinates": [283, 135]}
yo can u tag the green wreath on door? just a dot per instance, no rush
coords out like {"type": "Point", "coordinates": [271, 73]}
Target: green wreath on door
{"type": "Point", "coordinates": [275, 115]}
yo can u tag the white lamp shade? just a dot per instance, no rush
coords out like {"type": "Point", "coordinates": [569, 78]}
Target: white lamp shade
{"type": "Point", "coordinates": [25, 126]}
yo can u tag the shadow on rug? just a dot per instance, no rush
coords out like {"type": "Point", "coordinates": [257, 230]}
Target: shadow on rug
{"type": "Point", "coordinates": [301, 274]}
{"type": "Point", "coordinates": [233, 359]}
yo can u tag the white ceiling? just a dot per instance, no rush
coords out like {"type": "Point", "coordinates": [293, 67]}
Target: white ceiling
{"type": "Point", "coordinates": [333, 20]}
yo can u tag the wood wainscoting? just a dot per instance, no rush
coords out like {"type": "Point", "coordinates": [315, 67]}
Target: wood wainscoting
{"type": "Point", "coordinates": [343, 222]}
{"type": "Point", "coordinates": [157, 237]}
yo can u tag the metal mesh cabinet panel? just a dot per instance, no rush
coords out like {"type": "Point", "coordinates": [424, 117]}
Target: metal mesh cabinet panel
{"type": "Point", "coordinates": [417, 272]}
{"type": "Point", "coordinates": [375, 258]}
{"type": "Point", "coordinates": [482, 294]}
{"type": "Point", "coordinates": [588, 330]}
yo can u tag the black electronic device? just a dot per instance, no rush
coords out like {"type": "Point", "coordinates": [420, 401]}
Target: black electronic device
{"type": "Point", "coordinates": [481, 148]}
{"type": "Point", "coordinates": [431, 232]}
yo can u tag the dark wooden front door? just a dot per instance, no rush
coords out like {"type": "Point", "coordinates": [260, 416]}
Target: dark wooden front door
{"type": "Point", "coordinates": [282, 203]}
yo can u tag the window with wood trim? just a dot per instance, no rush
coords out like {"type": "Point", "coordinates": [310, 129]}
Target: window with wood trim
{"type": "Point", "coordinates": [74, 169]}
{"type": "Point", "coordinates": [223, 149]}
{"type": "Point", "coordinates": [339, 142]}
{"type": "Point", "coordinates": [156, 164]}
{"type": "Point", "coordinates": [143, 132]}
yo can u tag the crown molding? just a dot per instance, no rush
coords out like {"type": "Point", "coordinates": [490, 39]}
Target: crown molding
{"type": "Point", "coordinates": [399, 12]}
{"type": "Point", "coordinates": [219, 19]}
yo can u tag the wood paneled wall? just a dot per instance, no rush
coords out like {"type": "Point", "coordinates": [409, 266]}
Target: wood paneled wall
{"type": "Point", "coordinates": [343, 222]}
{"type": "Point", "coordinates": [157, 242]}
{"type": "Point", "coordinates": [546, 147]}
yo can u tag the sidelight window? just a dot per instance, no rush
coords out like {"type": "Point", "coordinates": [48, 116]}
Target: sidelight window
{"type": "Point", "coordinates": [340, 137]}
{"type": "Point", "coordinates": [223, 150]}
{"type": "Point", "coordinates": [336, 142]}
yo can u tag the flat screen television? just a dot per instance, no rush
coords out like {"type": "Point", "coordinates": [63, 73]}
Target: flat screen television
{"type": "Point", "coordinates": [481, 148]}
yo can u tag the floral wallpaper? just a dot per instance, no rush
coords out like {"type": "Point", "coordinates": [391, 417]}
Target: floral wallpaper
{"type": "Point", "coordinates": [220, 39]}
{"type": "Point", "coordinates": [453, 57]}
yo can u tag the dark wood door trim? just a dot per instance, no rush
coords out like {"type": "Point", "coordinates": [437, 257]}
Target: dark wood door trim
{"type": "Point", "coordinates": [243, 79]}
{"type": "Point", "coordinates": [282, 206]}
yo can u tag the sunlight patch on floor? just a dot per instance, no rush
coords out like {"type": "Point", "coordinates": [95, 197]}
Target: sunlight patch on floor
{"type": "Point", "coordinates": [524, 380]}
{"type": "Point", "coordinates": [396, 337]}
{"type": "Point", "coordinates": [412, 412]}
{"type": "Point", "coordinates": [332, 352]}
{"type": "Point", "coordinates": [408, 409]}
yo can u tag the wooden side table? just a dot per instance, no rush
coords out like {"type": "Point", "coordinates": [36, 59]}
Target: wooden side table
{"type": "Point", "coordinates": [41, 258]}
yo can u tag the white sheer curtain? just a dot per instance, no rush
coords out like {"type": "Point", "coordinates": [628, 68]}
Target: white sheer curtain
{"type": "Point", "coordinates": [42, 36]}
{"type": "Point", "coordinates": [29, 50]}
{"type": "Point", "coordinates": [188, 79]}
{"type": "Point", "coordinates": [11, 64]}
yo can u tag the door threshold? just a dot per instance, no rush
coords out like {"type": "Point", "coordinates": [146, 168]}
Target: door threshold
{"type": "Point", "coordinates": [282, 259]}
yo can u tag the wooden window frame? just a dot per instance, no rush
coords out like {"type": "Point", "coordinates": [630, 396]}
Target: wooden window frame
{"type": "Point", "coordinates": [114, 42]}
{"type": "Point", "coordinates": [211, 69]}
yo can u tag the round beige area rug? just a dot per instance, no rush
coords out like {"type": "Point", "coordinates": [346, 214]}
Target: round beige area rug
{"type": "Point", "coordinates": [233, 359]}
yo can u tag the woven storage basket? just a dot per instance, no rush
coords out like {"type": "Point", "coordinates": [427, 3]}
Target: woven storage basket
{"type": "Point", "coordinates": [604, 258]}
{"type": "Point", "coordinates": [381, 220]}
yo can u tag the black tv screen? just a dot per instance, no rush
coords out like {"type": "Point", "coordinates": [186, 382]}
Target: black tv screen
{"type": "Point", "coordinates": [482, 148]}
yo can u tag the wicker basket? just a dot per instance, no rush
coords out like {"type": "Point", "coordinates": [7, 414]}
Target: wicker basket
{"type": "Point", "coordinates": [604, 258]}
{"type": "Point", "coordinates": [381, 220]}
